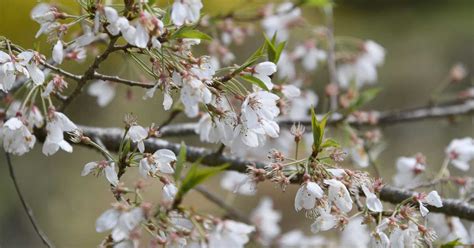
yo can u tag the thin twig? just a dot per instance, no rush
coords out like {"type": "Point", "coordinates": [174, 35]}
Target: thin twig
{"type": "Point", "coordinates": [328, 10]}
{"type": "Point", "coordinates": [26, 207]}
{"type": "Point", "coordinates": [231, 211]}
{"type": "Point", "coordinates": [120, 80]}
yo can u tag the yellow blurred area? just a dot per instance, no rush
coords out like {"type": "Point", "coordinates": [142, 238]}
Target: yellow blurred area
{"type": "Point", "coordinates": [423, 40]}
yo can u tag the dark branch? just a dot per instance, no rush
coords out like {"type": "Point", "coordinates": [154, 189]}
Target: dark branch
{"type": "Point", "coordinates": [26, 207]}
{"type": "Point", "coordinates": [111, 139]}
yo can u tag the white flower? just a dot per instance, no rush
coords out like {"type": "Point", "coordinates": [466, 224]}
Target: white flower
{"type": "Point", "coordinates": [30, 60]}
{"type": "Point", "coordinates": [138, 134]}
{"type": "Point", "coordinates": [159, 161]}
{"type": "Point", "coordinates": [169, 192]}
{"type": "Point", "coordinates": [266, 219]}
{"type": "Point", "coordinates": [167, 99]}
{"type": "Point", "coordinates": [10, 67]}
{"type": "Point", "coordinates": [300, 106]}
{"type": "Point", "coordinates": [58, 52]}
{"type": "Point", "coordinates": [104, 91]}
{"type": "Point", "coordinates": [460, 152]}
{"type": "Point", "coordinates": [310, 55]}
{"type": "Point", "coordinates": [364, 69]}
{"type": "Point", "coordinates": [290, 91]}
{"type": "Point", "coordinates": [281, 22]}
{"type": "Point", "coordinates": [230, 234]}
{"type": "Point", "coordinates": [296, 239]}
{"type": "Point", "coordinates": [120, 221]}
{"type": "Point", "coordinates": [263, 71]}
{"type": "Point", "coordinates": [32, 115]}
{"type": "Point", "coordinates": [45, 15]}
{"type": "Point", "coordinates": [408, 171]}
{"type": "Point", "coordinates": [193, 92]}
{"type": "Point", "coordinates": [237, 182]}
{"type": "Point", "coordinates": [107, 166]}
{"type": "Point", "coordinates": [339, 195]}
{"type": "Point", "coordinates": [214, 130]}
{"type": "Point", "coordinates": [379, 240]}
{"type": "Point", "coordinates": [372, 201]}
{"type": "Point", "coordinates": [325, 221]}
{"type": "Point", "coordinates": [432, 199]}
{"type": "Point", "coordinates": [116, 24]}
{"type": "Point", "coordinates": [17, 138]}
{"type": "Point", "coordinates": [307, 195]}
{"type": "Point", "coordinates": [245, 138]}
{"type": "Point", "coordinates": [57, 125]}
{"type": "Point", "coordinates": [355, 234]}
{"type": "Point", "coordinates": [449, 228]}
{"type": "Point", "coordinates": [185, 11]}
{"type": "Point", "coordinates": [260, 109]}
{"type": "Point", "coordinates": [358, 154]}
{"type": "Point", "coordinates": [404, 238]}
{"type": "Point", "coordinates": [286, 66]}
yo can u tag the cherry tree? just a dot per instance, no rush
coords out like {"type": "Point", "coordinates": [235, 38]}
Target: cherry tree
{"type": "Point", "coordinates": [261, 114]}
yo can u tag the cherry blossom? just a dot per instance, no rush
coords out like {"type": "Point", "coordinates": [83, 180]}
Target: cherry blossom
{"type": "Point", "coordinates": [296, 238]}
{"type": "Point", "coordinates": [266, 219]}
{"type": "Point", "coordinates": [159, 161]}
{"type": "Point", "coordinates": [45, 15]}
{"type": "Point", "coordinates": [17, 138]}
{"type": "Point", "coordinates": [355, 234]}
{"type": "Point", "coordinates": [185, 11]}
{"type": "Point", "coordinates": [364, 69]}
{"type": "Point", "coordinates": [432, 199]}
{"type": "Point", "coordinates": [230, 233]}
{"type": "Point", "coordinates": [325, 221]}
{"type": "Point", "coordinates": [169, 192]}
{"type": "Point", "coordinates": [104, 91]}
{"type": "Point", "coordinates": [260, 109]}
{"type": "Point", "coordinates": [281, 21]}
{"type": "Point", "coordinates": [460, 152]}
{"type": "Point", "coordinates": [11, 66]}
{"type": "Point", "coordinates": [372, 201]}
{"type": "Point", "coordinates": [263, 71]}
{"type": "Point", "coordinates": [58, 52]}
{"type": "Point", "coordinates": [339, 195]}
{"type": "Point", "coordinates": [238, 183]}
{"type": "Point", "coordinates": [106, 166]}
{"type": "Point", "coordinates": [408, 171]}
{"type": "Point", "coordinates": [307, 195]}
{"type": "Point", "coordinates": [138, 134]}
{"type": "Point", "coordinates": [58, 124]}
{"type": "Point", "coordinates": [121, 220]}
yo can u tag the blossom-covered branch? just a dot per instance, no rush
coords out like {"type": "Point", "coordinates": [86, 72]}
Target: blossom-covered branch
{"type": "Point", "coordinates": [111, 138]}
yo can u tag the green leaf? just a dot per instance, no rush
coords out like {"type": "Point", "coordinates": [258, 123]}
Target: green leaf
{"type": "Point", "coordinates": [255, 81]}
{"type": "Point", "coordinates": [274, 49]}
{"type": "Point", "coordinates": [317, 3]}
{"type": "Point", "coordinates": [190, 33]}
{"type": "Point", "coordinates": [254, 57]}
{"type": "Point", "coordinates": [167, 17]}
{"type": "Point", "coordinates": [318, 129]}
{"type": "Point", "coordinates": [196, 175]}
{"type": "Point", "coordinates": [330, 143]}
{"type": "Point", "coordinates": [452, 244]}
{"type": "Point", "coordinates": [364, 97]}
{"type": "Point", "coordinates": [179, 166]}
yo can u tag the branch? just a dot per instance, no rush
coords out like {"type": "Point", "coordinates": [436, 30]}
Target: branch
{"type": "Point", "coordinates": [385, 118]}
{"type": "Point", "coordinates": [117, 79]}
{"type": "Point", "coordinates": [89, 74]}
{"type": "Point", "coordinates": [231, 211]}
{"type": "Point", "coordinates": [25, 204]}
{"type": "Point", "coordinates": [111, 138]}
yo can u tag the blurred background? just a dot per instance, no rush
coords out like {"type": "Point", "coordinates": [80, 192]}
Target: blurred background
{"type": "Point", "coordinates": [423, 40]}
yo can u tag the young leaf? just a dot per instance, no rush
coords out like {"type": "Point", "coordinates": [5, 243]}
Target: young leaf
{"type": "Point", "coordinates": [364, 97]}
{"type": "Point", "coordinates": [274, 49]}
{"type": "Point", "coordinates": [330, 143]}
{"type": "Point", "coordinates": [452, 244]}
{"type": "Point", "coordinates": [318, 130]}
{"type": "Point", "coordinates": [255, 56]}
{"type": "Point", "coordinates": [196, 175]}
{"type": "Point", "coordinates": [180, 162]}
{"type": "Point", "coordinates": [255, 81]}
{"type": "Point", "coordinates": [190, 33]}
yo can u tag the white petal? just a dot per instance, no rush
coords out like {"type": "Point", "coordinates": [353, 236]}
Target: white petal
{"type": "Point", "coordinates": [107, 220]}
{"type": "Point", "coordinates": [58, 53]}
{"type": "Point", "coordinates": [88, 168]}
{"type": "Point", "coordinates": [434, 199]}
